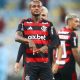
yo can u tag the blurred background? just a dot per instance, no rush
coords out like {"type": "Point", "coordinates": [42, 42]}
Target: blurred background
{"type": "Point", "coordinates": [11, 13]}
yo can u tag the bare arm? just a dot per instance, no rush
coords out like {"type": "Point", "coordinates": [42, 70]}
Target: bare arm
{"type": "Point", "coordinates": [59, 52]}
{"type": "Point", "coordinates": [19, 37]}
{"type": "Point", "coordinates": [76, 55]}
{"type": "Point", "coordinates": [43, 49]}
{"type": "Point", "coordinates": [17, 67]}
{"type": "Point", "coordinates": [55, 64]}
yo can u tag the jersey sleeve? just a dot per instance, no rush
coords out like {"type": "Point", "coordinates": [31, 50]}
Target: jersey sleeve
{"type": "Point", "coordinates": [20, 26]}
{"type": "Point", "coordinates": [73, 40]}
{"type": "Point", "coordinates": [54, 36]}
{"type": "Point", "coordinates": [20, 52]}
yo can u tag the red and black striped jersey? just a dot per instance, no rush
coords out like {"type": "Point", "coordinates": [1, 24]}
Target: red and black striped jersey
{"type": "Point", "coordinates": [68, 40]}
{"type": "Point", "coordinates": [42, 33]}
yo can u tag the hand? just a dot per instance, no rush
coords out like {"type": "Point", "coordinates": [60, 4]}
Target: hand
{"type": "Point", "coordinates": [55, 68]}
{"type": "Point", "coordinates": [36, 51]}
{"type": "Point", "coordinates": [32, 45]}
{"type": "Point", "coordinates": [42, 49]}
{"type": "Point", "coordinates": [17, 67]}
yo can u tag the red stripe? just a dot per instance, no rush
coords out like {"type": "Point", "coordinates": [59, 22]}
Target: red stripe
{"type": "Point", "coordinates": [31, 32]}
{"type": "Point", "coordinates": [69, 52]}
{"type": "Point", "coordinates": [67, 44]}
{"type": "Point", "coordinates": [35, 24]}
{"type": "Point", "coordinates": [44, 42]}
{"type": "Point", "coordinates": [74, 76]}
{"type": "Point", "coordinates": [67, 60]}
{"type": "Point", "coordinates": [60, 67]}
{"type": "Point", "coordinates": [29, 51]}
{"type": "Point", "coordinates": [36, 59]}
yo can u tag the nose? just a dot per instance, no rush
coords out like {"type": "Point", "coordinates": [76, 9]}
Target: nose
{"type": "Point", "coordinates": [37, 7]}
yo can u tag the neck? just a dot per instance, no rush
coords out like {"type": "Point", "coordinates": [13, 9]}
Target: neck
{"type": "Point", "coordinates": [69, 27]}
{"type": "Point", "coordinates": [36, 18]}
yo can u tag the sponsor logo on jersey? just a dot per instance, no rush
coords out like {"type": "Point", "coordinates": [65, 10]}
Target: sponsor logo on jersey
{"type": "Point", "coordinates": [64, 36]}
{"type": "Point", "coordinates": [37, 37]}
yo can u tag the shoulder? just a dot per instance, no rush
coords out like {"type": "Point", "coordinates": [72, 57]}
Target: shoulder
{"type": "Point", "coordinates": [46, 21]}
{"type": "Point", "coordinates": [26, 20]}
{"type": "Point", "coordinates": [49, 23]}
{"type": "Point", "coordinates": [73, 34]}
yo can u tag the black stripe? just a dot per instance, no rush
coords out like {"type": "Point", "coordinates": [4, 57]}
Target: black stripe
{"type": "Point", "coordinates": [37, 55]}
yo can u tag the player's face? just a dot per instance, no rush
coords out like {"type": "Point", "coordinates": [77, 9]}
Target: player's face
{"type": "Point", "coordinates": [36, 8]}
{"type": "Point", "coordinates": [43, 15]}
{"type": "Point", "coordinates": [75, 23]}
